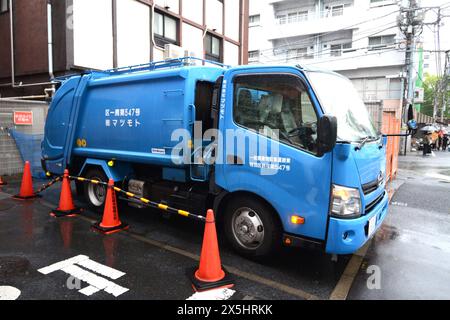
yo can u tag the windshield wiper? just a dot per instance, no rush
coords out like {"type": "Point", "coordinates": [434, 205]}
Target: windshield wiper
{"type": "Point", "coordinates": [364, 141]}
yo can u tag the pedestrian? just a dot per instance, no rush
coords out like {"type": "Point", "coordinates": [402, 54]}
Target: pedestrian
{"type": "Point", "coordinates": [445, 142]}
{"type": "Point", "coordinates": [440, 138]}
{"type": "Point", "coordinates": [427, 144]}
{"type": "Point", "coordinates": [434, 140]}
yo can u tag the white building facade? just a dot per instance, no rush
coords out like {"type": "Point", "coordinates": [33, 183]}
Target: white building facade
{"type": "Point", "coordinates": [357, 38]}
{"type": "Point", "coordinates": [118, 33]}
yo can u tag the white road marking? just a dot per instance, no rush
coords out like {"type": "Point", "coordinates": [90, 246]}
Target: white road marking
{"type": "Point", "coordinates": [439, 176]}
{"type": "Point", "coordinates": [95, 282]}
{"type": "Point", "coordinates": [62, 264]}
{"type": "Point", "coordinates": [399, 204]}
{"type": "Point", "coordinates": [9, 293]}
{"type": "Point", "coordinates": [101, 269]}
{"type": "Point", "coordinates": [89, 291]}
{"type": "Point", "coordinates": [218, 294]}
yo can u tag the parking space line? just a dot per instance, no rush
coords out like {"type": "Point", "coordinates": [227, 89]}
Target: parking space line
{"type": "Point", "coordinates": [344, 284]}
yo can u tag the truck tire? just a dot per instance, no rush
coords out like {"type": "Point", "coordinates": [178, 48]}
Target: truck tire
{"type": "Point", "coordinates": [252, 227]}
{"type": "Point", "coordinates": [95, 194]}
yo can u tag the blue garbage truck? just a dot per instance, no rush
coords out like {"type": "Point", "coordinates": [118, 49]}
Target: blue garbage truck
{"type": "Point", "coordinates": [285, 155]}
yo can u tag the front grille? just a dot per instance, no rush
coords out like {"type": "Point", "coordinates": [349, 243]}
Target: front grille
{"type": "Point", "coordinates": [370, 187]}
{"type": "Point", "coordinates": [374, 203]}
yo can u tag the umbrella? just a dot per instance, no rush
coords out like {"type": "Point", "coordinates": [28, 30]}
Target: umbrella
{"type": "Point", "coordinates": [429, 129]}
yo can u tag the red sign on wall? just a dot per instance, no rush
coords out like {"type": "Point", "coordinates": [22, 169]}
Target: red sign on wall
{"type": "Point", "coordinates": [23, 118]}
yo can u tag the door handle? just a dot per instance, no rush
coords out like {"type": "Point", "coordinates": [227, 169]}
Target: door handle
{"type": "Point", "coordinates": [234, 160]}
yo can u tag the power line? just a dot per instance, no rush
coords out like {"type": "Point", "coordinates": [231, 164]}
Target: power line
{"type": "Point", "coordinates": [308, 39]}
{"type": "Point", "coordinates": [330, 32]}
{"type": "Point", "coordinates": [327, 51]}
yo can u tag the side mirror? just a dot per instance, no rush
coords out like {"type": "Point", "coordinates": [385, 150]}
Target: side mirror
{"type": "Point", "coordinates": [327, 134]}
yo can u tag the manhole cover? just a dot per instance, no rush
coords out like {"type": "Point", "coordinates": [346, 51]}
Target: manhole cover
{"type": "Point", "coordinates": [13, 266]}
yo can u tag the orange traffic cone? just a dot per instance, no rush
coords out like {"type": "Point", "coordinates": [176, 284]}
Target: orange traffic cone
{"type": "Point", "coordinates": [110, 222]}
{"type": "Point", "coordinates": [66, 207]}
{"type": "Point", "coordinates": [210, 275]}
{"type": "Point", "coordinates": [26, 188]}
{"type": "Point", "coordinates": [2, 182]}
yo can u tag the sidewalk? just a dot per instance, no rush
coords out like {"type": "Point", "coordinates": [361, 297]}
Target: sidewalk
{"type": "Point", "coordinates": [412, 250]}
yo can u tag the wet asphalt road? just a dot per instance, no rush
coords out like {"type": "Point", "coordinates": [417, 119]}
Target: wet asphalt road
{"type": "Point", "coordinates": [412, 250]}
{"type": "Point", "coordinates": [156, 253]}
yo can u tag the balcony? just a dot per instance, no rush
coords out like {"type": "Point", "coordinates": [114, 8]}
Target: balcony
{"type": "Point", "coordinates": [309, 23]}
{"type": "Point", "coordinates": [358, 59]}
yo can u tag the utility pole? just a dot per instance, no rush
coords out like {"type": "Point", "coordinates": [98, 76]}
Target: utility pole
{"type": "Point", "coordinates": [445, 85]}
{"type": "Point", "coordinates": [410, 23]}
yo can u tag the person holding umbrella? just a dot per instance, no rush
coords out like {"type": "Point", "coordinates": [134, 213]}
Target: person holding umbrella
{"type": "Point", "coordinates": [427, 139]}
{"type": "Point", "coordinates": [434, 139]}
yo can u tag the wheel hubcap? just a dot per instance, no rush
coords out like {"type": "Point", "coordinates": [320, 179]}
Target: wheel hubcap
{"type": "Point", "coordinates": [97, 193]}
{"type": "Point", "coordinates": [248, 228]}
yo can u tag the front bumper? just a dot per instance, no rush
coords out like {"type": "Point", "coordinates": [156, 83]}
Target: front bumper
{"type": "Point", "coordinates": [347, 236]}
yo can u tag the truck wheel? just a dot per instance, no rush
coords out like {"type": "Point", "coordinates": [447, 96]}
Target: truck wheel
{"type": "Point", "coordinates": [252, 227]}
{"type": "Point", "coordinates": [95, 194]}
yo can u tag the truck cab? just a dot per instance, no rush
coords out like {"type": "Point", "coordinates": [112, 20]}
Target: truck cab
{"type": "Point", "coordinates": [286, 155]}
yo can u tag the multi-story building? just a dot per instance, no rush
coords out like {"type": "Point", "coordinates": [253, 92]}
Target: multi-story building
{"type": "Point", "coordinates": [47, 38]}
{"type": "Point", "coordinates": [357, 38]}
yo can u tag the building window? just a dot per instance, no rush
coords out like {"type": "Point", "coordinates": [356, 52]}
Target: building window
{"type": "Point", "coordinates": [292, 17]}
{"type": "Point", "coordinates": [213, 48]}
{"type": "Point", "coordinates": [4, 6]}
{"type": "Point", "coordinates": [254, 20]}
{"type": "Point", "coordinates": [253, 55]}
{"type": "Point", "coordinates": [336, 50]}
{"type": "Point", "coordinates": [299, 53]}
{"type": "Point", "coordinates": [381, 42]}
{"type": "Point", "coordinates": [337, 11]}
{"type": "Point", "coordinates": [166, 29]}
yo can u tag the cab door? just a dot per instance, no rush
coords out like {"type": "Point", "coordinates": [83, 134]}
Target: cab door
{"type": "Point", "coordinates": [268, 120]}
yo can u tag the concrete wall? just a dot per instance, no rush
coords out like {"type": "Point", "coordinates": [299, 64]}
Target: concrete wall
{"type": "Point", "coordinates": [10, 159]}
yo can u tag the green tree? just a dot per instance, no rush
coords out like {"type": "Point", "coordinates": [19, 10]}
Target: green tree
{"type": "Point", "coordinates": [430, 86]}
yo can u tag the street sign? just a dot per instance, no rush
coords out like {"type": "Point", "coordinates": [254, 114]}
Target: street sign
{"type": "Point", "coordinates": [23, 118]}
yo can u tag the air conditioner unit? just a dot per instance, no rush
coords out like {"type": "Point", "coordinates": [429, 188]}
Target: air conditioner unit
{"type": "Point", "coordinates": [172, 51]}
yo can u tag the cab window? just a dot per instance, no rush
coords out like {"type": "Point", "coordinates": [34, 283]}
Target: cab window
{"type": "Point", "coordinates": [277, 106]}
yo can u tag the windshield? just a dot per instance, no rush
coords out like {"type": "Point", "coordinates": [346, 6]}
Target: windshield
{"type": "Point", "coordinates": [339, 98]}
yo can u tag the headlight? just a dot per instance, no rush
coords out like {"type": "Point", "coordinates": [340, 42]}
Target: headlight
{"type": "Point", "coordinates": [346, 202]}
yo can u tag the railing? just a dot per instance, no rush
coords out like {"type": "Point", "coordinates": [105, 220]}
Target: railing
{"type": "Point", "coordinates": [151, 66]}
{"type": "Point", "coordinates": [303, 17]}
